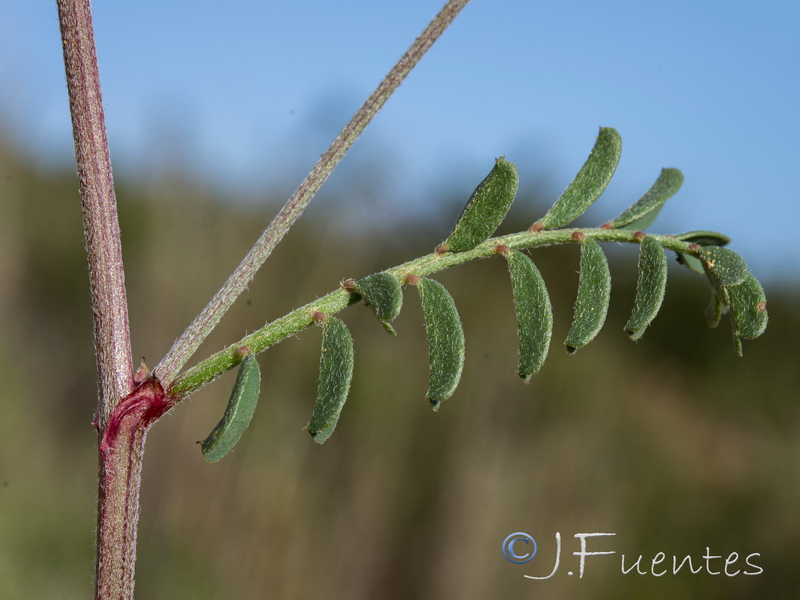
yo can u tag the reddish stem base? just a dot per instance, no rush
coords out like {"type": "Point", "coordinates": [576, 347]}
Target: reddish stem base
{"type": "Point", "coordinates": [121, 452]}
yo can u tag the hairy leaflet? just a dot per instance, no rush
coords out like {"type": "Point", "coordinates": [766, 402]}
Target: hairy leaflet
{"type": "Point", "coordinates": [534, 313]}
{"type": "Point", "coordinates": [241, 407]}
{"type": "Point", "coordinates": [445, 340]}
{"type": "Point", "coordinates": [644, 211]}
{"type": "Point", "coordinates": [594, 292]}
{"type": "Point", "coordinates": [384, 295]}
{"type": "Point", "coordinates": [486, 207]}
{"type": "Point", "coordinates": [650, 287]}
{"type": "Point", "coordinates": [335, 375]}
{"type": "Point", "coordinates": [588, 184]}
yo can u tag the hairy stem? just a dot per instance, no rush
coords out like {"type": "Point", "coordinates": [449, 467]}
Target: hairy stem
{"type": "Point", "coordinates": [119, 471]}
{"type": "Point", "coordinates": [339, 299]}
{"type": "Point", "coordinates": [101, 228]}
{"type": "Point", "coordinates": [190, 340]}
{"type": "Point", "coordinates": [121, 453]}
{"type": "Point", "coordinates": [118, 517]}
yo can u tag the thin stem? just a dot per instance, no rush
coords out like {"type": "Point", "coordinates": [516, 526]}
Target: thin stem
{"type": "Point", "coordinates": [190, 340]}
{"type": "Point", "coordinates": [339, 299]}
{"type": "Point", "coordinates": [119, 473]}
{"type": "Point", "coordinates": [101, 228]}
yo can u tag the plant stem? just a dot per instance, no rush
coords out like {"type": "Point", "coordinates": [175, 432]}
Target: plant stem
{"type": "Point", "coordinates": [121, 453]}
{"type": "Point", "coordinates": [119, 470]}
{"type": "Point", "coordinates": [337, 300]}
{"type": "Point", "coordinates": [101, 228]}
{"type": "Point", "coordinates": [124, 415]}
{"type": "Point", "coordinates": [193, 336]}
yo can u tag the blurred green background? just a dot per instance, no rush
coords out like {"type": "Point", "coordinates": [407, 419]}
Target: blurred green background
{"type": "Point", "coordinates": [672, 443]}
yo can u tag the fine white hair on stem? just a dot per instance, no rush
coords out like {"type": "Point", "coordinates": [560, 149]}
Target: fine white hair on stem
{"type": "Point", "coordinates": [204, 323]}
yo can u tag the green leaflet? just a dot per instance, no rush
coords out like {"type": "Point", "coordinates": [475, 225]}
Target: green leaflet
{"type": "Point", "coordinates": [384, 295]}
{"type": "Point", "coordinates": [486, 208]}
{"type": "Point", "coordinates": [445, 340]}
{"type": "Point", "coordinates": [594, 293]}
{"type": "Point", "coordinates": [588, 184]}
{"type": "Point", "coordinates": [724, 267]}
{"type": "Point", "coordinates": [736, 289]}
{"type": "Point", "coordinates": [241, 407]}
{"type": "Point", "coordinates": [335, 375]}
{"type": "Point", "coordinates": [691, 262]}
{"type": "Point", "coordinates": [644, 211]}
{"type": "Point", "coordinates": [534, 313]}
{"type": "Point", "coordinates": [748, 310]}
{"type": "Point", "coordinates": [715, 309]}
{"type": "Point", "coordinates": [701, 238]}
{"type": "Point", "coordinates": [650, 287]}
{"type": "Point", "coordinates": [704, 238]}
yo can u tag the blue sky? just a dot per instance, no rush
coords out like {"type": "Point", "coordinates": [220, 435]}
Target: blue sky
{"type": "Point", "coordinates": [246, 94]}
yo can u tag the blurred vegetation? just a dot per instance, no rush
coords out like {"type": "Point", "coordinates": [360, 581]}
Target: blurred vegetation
{"type": "Point", "coordinates": [673, 443]}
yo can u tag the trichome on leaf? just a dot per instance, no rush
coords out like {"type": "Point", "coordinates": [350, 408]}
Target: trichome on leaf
{"type": "Point", "coordinates": [240, 411]}
{"type": "Point", "coordinates": [594, 294]}
{"type": "Point", "coordinates": [534, 313]}
{"type": "Point", "coordinates": [735, 290]}
{"type": "Point", "coordinates": [486, 208]}
{"type": "Point", "coordinates": [445, 340]}
{"type": "Point", "coordinates": [589, 183]}
{"type": "Point", "coordinates": [335, 375]}
{"type": "Point", "coordinates": [650, 287]}
{"type": "Point", "coordinates": [384, 295]}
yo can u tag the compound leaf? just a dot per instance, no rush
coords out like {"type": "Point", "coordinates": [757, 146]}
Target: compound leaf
{"type": "Point", "coordinates": [588, 184]}
{"type": "Point", "coordinates": [445, 340]}
{"type": "Point", "coordinates": [238, 414]}
{"type": "Point", "coordinates": [335, 375]}
{"type": "Point", "coordinates": [650, 287]}
{"type": "Point", "coordinates": [486, 208]}
{"type": "Point", "coordinates": [644, 211]}
{"type": "Point", "coordinates": [534, 313]}
{"type": "Point", "coordinates": [383, 294]}
{"type": "Point", "coordinates": [594, 293]}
